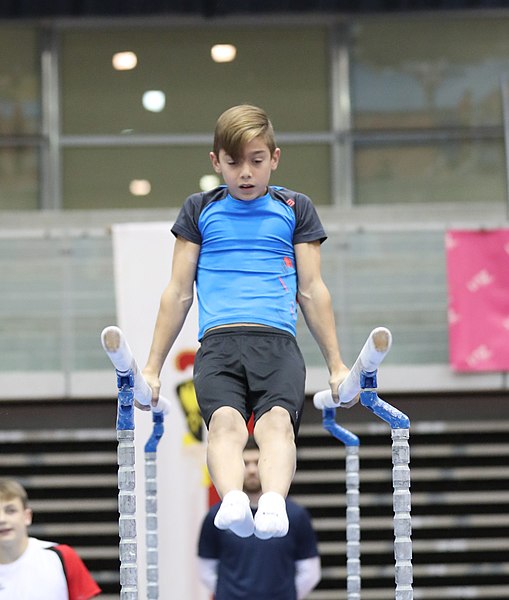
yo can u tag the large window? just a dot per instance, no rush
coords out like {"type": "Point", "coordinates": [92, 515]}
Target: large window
{"type": "Point", "coordinates": [430, 172]}
{"type": "Point", "coordinates": [428, 73]}
{"type": "Point", "coordinates": [283, 69]}
{"type": "Point", "coordinates": [20, 117]}
{"type": "Point", "coordinates": [402, 110]}
{"type": "Point", "coordinates": [427, 109]}
{"type": "Point", "coordinates": [116, 138]}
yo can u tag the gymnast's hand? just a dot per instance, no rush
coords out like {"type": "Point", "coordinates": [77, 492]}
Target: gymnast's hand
{"type": "Point", "coordinates": [155, 385]}
{"type": "Point", "coordinates": [335, 380]}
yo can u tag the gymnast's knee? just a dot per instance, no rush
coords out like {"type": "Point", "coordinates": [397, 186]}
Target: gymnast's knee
{"type": "Point", "coordinates": [227, 422]}
{"type": "Point", "coordinates": [276, 421]}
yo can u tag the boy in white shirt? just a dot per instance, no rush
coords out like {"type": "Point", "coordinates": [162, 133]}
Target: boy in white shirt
{"type": "Point", "coordinates": [32, 569]}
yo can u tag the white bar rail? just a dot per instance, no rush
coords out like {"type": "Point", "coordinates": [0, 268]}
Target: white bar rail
{"type": "Point", "coordinates": [373, 352]}
{"type": "Point", "coordinates": [116, 347]}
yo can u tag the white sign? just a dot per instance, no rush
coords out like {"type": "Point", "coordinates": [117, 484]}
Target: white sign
{"type": "Point", "coordinates": [142, 260]}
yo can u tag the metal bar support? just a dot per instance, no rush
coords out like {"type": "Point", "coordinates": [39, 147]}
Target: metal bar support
{"type": "Point", "coordinates": [400, 425]}
{"type": "Point", "coordinates": [126, 487]}
{"type": "Point", "coordinates": [152, 538]}
{"type": "Point", "coordinates": [353, 551]}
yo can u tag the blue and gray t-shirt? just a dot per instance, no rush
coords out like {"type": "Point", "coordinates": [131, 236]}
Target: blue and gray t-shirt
{"type": "Point", "coordinates": [246, 269]}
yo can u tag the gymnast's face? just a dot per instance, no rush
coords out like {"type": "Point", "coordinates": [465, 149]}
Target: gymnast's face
{"type": "Point", "coordinates": [248, 175]}
{"type": "Point", "coordinates": [251, 476]}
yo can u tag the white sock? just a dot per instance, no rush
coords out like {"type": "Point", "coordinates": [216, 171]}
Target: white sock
{"type": "Point", "coordinates": [271, 519]}
{"type": "Point", "coordinates": [235, 514]}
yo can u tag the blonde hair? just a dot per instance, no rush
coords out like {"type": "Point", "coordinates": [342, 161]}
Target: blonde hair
{"type": "Point", "coordinates": [10, 490]}
{"type": "Point", "coordinates": [238, 126]}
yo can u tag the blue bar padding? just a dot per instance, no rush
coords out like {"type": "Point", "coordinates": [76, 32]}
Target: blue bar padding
{"type": "Point", "coordinates": [340, 433]}
{"type": "Point", "coordinates": [368, 380]}
{"type": "Point", "coordinates": [394, 417]}
{"type": "Point", "coordinates": [157, 432]}
{"type": "Point", "coordinates": [125, 411]}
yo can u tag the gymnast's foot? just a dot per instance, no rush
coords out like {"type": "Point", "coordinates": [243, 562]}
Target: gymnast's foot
{"type": "Point", "coordinates": [235, 514]}
{"type": "Point", "coordinates": [271, 519]}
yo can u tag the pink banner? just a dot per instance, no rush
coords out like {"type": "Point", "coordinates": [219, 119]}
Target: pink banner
{"type": "Point", "coordinates": [478, 288]}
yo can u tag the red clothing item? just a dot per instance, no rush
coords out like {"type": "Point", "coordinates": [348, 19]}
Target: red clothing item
{"type": "Point", "coordinates": [80, 584]}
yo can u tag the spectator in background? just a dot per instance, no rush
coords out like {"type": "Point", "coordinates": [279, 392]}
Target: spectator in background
{"type": "Point", "coordinates": [32, 569]}
{"type": "Point", "coordinates": [235, 568]}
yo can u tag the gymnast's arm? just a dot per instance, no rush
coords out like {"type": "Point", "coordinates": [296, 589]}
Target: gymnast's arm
{"type": "Point", "coordinates": [176, 301]}
{"type": "Point", "coordinates": [316, 305]}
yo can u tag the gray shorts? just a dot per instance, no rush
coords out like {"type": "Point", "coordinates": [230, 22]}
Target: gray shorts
{"type": "Point", "coordinates": [251, 369]}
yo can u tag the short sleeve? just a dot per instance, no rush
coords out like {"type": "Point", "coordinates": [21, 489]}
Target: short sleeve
{"type": "Point", "coordinates": [208, 542]}
{"type": "Point", "coordinates": [80, 584]}
{"type": "Point", "coordinates": [186, 224]}
{"type": "Point", "coordinates": [308, 227]}
{"type": "Point", "coordinates": [306, 546]}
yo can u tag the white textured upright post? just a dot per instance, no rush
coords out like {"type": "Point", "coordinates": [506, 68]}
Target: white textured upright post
{"type": "Point", "coordinates": [400, 428]}
{"type": "Point", "coordinates": [151, 525]}
{"type": "Point", "coordinates": [353, 532]}
{"type": "Point", "coordinates": [151, 521]}
{"type": "Point", "coordinates": [127, 515]}
{"type": "Point", "coordinates": [402, 519]}
{"type": "Point", "coordinates": [353, 529]}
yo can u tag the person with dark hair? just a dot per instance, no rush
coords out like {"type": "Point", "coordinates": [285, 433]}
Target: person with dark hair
{"type": "Point", "coordinates": [234, 568]}
{"type": "Point", "coordinates": [32, 569]}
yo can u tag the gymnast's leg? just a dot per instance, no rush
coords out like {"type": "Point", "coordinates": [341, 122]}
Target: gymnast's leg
{"type": "Point", "coordinates": [226, 440]}
{"type": "Point", "coordinates": [274, 434]}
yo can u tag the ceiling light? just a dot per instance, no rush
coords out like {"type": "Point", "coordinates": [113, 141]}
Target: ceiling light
{"type": "Point", "coordinates": [154, 100]}
{"type": "Point", "coordinates": [124, 61]}
{"type": "Point", "coordinates": [222, 53]}
{"type": "Point", "coordinates": [140, 187]}
{"type": "Point", "coordinates": [208, 182]}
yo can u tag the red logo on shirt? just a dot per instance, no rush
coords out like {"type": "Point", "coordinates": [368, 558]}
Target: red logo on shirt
{"type": "Point", "coordinates": [290, 202]}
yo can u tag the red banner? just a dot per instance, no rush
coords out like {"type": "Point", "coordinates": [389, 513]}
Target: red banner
{"type": "Point", "coordinates": [478, 299]}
